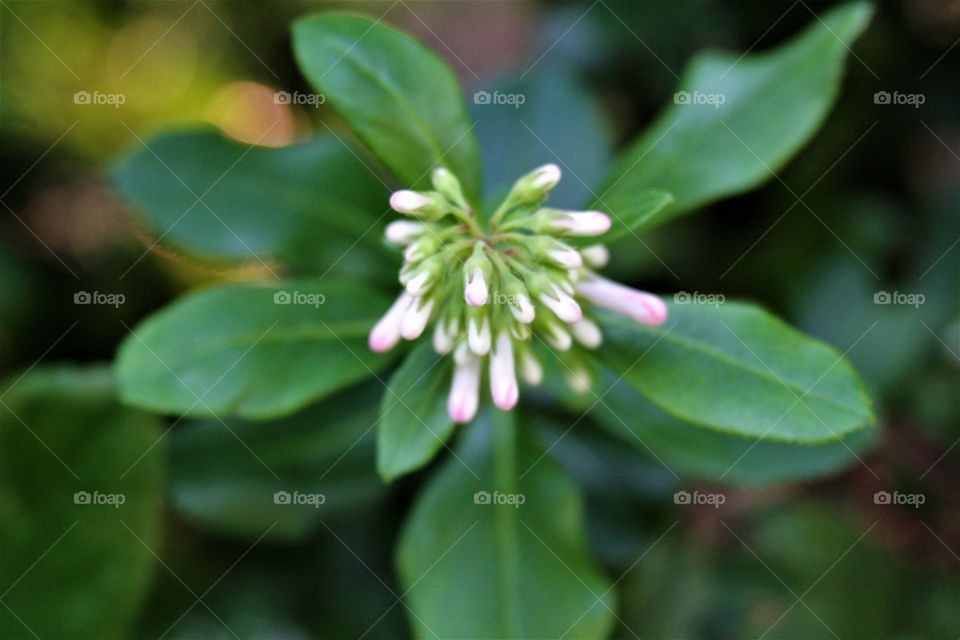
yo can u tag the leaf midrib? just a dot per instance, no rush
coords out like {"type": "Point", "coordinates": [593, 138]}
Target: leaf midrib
{"type": "Point", "coordinates": [792, 385]}
{"type": "Point", "coordinates": [309, 333]}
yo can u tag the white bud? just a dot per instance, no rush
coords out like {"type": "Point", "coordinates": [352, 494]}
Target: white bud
{"type": "Point", "coordinates": [503, 378]}
{"type": "Point", "coordinates": [403, 232]}
{"type": "Point", "coordinates": [546, 177]}
{"type": "Point", "coordinates": [562, 304]}
{"type": "Point", "coordinates": [409, 202]}
{"type": "Point", "coordinates": [386, 333]}
{"type": "Point", "coordinates": [597, 256]}
{"type": "Point", "coordinates": [522, 309]}
{"type": "Point", "coordinates": [464, 395]}
{"type": "Point", "coordinates": [478, 336]}
{"type": "Point", "coordinates": [475, 290]}
{"type": "Point", "coordinates": [582, 223]}
{"type": "Point", "coordinates": [587, 333]}
{"type": "Point", "coordinates": [530, 369]}
{"type": "Point", "coordinates": [565, 256]}
{"type": "Point", "coordinates": [415, 319]}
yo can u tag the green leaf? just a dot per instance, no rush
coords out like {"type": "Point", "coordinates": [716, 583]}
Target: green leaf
{"type": "Point", "coordinates": [226, 476]}
{"type": "Point", "coordinates": [739, 370]}
{"type": "Point", "coordinates": [414, 422]}
{"type": "Point", "coordinates": [554, 119]}
{"type": "Point", "coordinates": [686, 448]}
{"type": "Point", "coordinates": [72, 567]}
{"type": "Point", "coordinates": [488, 570]}
{"type": "Point", "coordinates": [313, 206]}
{"type": "Point", "coordinates": [772, 104]}
{"type": "Point", "coordinates": [241, 350]}
{"type": "Point", "coordinates": [396, 95]}
{"type": "Point", "coordinates": [644, 205]}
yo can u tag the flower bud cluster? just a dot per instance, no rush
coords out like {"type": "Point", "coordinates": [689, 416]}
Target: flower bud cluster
{"type": "Point", "coordinates": [489, 290]}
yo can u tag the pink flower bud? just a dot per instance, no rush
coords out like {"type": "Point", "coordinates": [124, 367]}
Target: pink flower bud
{"type": "Point", "coordinates": [475, 290]}
{"type": "Point", "coordinates": [464, 395]}
{"type": "Point", "coordinates": [503, 378]}
{"type": "Point", "coordinates": [386, 333]}
{"type": "Point", "coordinates": [582, 223]}
{"type": "Point", "coordinates": [640, 306]}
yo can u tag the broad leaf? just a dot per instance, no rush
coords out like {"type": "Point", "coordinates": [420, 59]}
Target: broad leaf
{"type": "Point", "coordinates": [414, 423]}
{"type": "Point", "coordinates": [687, 449]}
{"type": "Point", "coordinates": [314, 206]}
{"type": "Point", "coordinates": [474, 568]}
{"type": "Point", "coordinates": [252, 351]}
{"type": "Point", "coordinates": [236, 477]}
{"type": "Point", "coordinates": [83, 481]}
{"type": "Point", "coordinates": [396, 95]}
{"type": "Point", "coordinates": [737, 119]}
{"type": "Point", "coordinates": [739, 370]}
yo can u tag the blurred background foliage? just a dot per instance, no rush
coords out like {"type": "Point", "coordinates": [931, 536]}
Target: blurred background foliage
{"type": "Point", "coordinates": [871, 205]}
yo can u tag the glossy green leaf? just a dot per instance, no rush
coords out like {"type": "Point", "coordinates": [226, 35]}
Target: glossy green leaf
{"type": "Point", "coordinates": [736, 119]}
{"type": "Point", "coordinates": [414, 423]}
{"type": "Point", "coordinates": [476, 568]}
{"type": "Point", "coordinates": [314, 206]}
{"type": "Point", "coordinates": [254, 351]}
{"type": "Point", "coordinates": [396, 95]}
{"type": "Point", "coordinates": [244, 478]}
{"type": "Point", "coordinates": [737, 369]}
{"type": "Point", "coordinates": [82, 482]}
{"type": "Point", "coordinates": [687, 449]}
